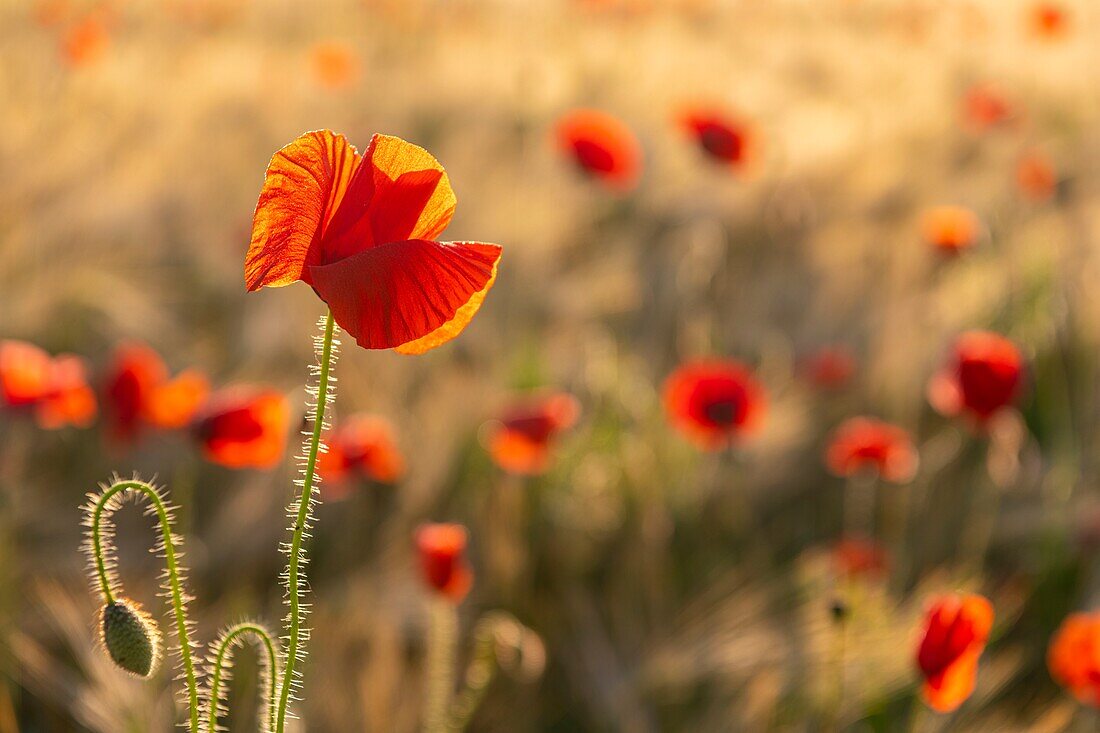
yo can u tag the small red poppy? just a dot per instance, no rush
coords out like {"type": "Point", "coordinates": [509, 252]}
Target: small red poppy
{"type": "Point", "coordinates": [862, 443]}
{"type": "Point", "coordinates": [602, 146]}
{"type": "Point", "coordinates": [983, 375]}
{"type": "Point", "coordinates": [442, 549]}
{"type": "Point", "coordinates": [1036, 177]}
{"type": "Point", "coordinates": [24, 373]}
{"type": "Point", "coordinates": [984, 107]}
{"type": "Point", "coordinates": [85, 42]}
{"type": "Point", "coordinates": [830, 367]}
{"type": "Point", "coordinates": [360, 446]}
{"type": "Point", "coordinates": [956, 629]}
{"type": "Point", "coordinates": [244, 428]}
{"type": "Point", "coordinates": [714, 402]}
{"type": "Point", "coordinates": [723, 136]}
{"type": "Point", "coordinates": [951, 229]}
{"type": "Point", "coordinates": [335, 65]}
{"type": "Point", "coordinates": [1048, 21]}
{"type": "Point", "coordinates": [138, 393]}
{"type": "Point", "coordinates": [860, 557]}
{"type": "Point", "coordinates": [69, 399]}
{"type": "Point", "coordinates": [360, 230]}
{"type": "Point", "coordinates": [521, 442]}
{"type": "Point", "coordinates": [1074, 657]}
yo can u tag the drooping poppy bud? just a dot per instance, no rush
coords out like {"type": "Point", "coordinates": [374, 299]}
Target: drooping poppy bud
{"type": "Point", "coordinates": [956, 629]}
{"type": "Point", "coordinates": [131, 637]}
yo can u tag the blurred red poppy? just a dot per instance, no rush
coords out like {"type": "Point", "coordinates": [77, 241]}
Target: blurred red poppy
{"type": "Point", "coordinates": [859, 557]}
{"type": "Point", "coordinates": [54, 388]}
{"type": "Point", "coordinates": [951, 229]}
{"type": "Point", "coordinates": [723, 136]}
{"type": "Point", "coordinates": [24, 373]}
{"type": "Point", "coordinates": [1048, 21]}
{"type": "Point", "coordinates": [830, 367]}
{"type": "Point", "coordinates": [955, 633]}
{"type": "Point", "coordinates": [714, 402]}
{"type": "Point", "coordinates": [862, 443]}
{"type": "Point", "coordinates": [520, 443]}
{"type": "Point", "coordinates": [602, 145]}
{"type": "Point", "coordinates": [244, 428]}
{"type": "Point", "coordinates": [983, 375]}
{"type": "Point", "coordinates": [362, 446]}
{"type": "Point", "coordinates": [1036, 177]}
{"type": "Point", "coordinates": [442, 549]}
{"type": "Point", "coordinates": [85, 42]}
{"type": "Point", "coordinates": [1074, 656]}
{"type": "Point", "coordinates": [335, 65]}
{"type": "Point", "coordinates": [360, 230]}
{"type": "Point", "coordinates": [138, 393]}
{"type": "Point", "coordinates": [984, 107]}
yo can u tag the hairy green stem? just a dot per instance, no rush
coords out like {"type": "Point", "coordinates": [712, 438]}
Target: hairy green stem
{"type": "Point", "coordinates": [442, 640]}
{"type": "Point", "coordinates": [296, 544]}
{"type": "Point", "coordinates": [175, 586]}
{"type": "Point", "coordinates": [222, 650]}
{"type": "Point", "coordinates": [479, 675]}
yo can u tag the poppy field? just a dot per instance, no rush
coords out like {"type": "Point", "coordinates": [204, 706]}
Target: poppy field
{"type": "Point", "coordinates": [549, 365]}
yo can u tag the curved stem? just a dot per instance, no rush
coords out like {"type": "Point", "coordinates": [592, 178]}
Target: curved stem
{"type": "Point", "coordinates": [104, 504]}
{"type": "Point", "coordinates": [296, 551]}
{"type": "Point", "coordinates": [223, 649]}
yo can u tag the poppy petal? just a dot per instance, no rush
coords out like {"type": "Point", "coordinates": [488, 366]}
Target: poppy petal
{"type": "Point", "coordinates": [414, 295]}
{"type": "Point", "coordinates": [304, 184]}
{"type": "Point", "coordinates": [399, 192]}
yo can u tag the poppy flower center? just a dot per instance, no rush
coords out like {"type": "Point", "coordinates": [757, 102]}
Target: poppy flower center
{"type": "Point", "coordinates": [722, 412]}
{"type": "Point", "coordinates": [721, 142]}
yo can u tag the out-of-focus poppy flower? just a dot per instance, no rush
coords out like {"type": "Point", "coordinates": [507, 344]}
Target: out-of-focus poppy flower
{"type": "Point", "coordinates": [859, 557]}
{"type": "Point", "coordinates": [723, 136]}
{"type": "Point", "coordinates": [442, 549]}
{"type": "Point", "coordinates": [360, 446]}
{"type": "Point", "coordinates": [85, 42]}
{"type": "Point", "coordinates": [830, 367]}
{"type": "Point", "coordinates": [1036, 177]}
{"type": "Point", "coordinates": [1074, 656]}
{"type": "Point", "coordinates": [244, 429]}
{"type": "Point", "coordinates": [951, 229]}
{"type": "Point", "coordinates": [138, 393]}
{"type": "Point", "coordinates": [360, 230]}
{"type": "Point", "coordinates": [69, 399]}
{"type": "Point", "coordinates": [602, 146]}
{"type": "Point", "coordinates": [862, 443]}
{"type": "Point", "coordinates": [984, 107]}
{"type": "Point", "coordinates": [24, 373]}
{"type": "Point", "coordinates": [714, 402]}
{"type": "Point", "coordinates": [335, 65]}
{"type": "Point", "coordinates": [1048, 21]}
{"type": "Point", "coordinates": [955, 633]}
{"type": "Point", "coordinates": [982, 375]}
{"type": "Point", "coordinates": [521, 442]}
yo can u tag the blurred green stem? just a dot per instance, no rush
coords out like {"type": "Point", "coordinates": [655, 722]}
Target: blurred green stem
{"type": "Point", "coordinates": [479, 675]}
{"type": "Point", "coordinates": [294, 590]}
{"type": "Point", "coordinates": [442, 640]}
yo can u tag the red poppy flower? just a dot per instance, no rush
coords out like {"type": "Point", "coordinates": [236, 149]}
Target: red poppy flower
{"type": "Point", "coordinates": [860, 557]}
{"type": "Point", "coordinates": [830, 367]}
{"type": "Point", "coordinates": [862, 443]}
{"type": "Point", "coordinates": [360, 230]}
{"type": "Point", "coordinates": [69, 399]}
{"type": "Point", "coordinates": [335, 65]}
{"type": "Point", "coordinates": [1048, 21]}
{"type": "Point", "coordinates": [955, 633]}
{"type": "Point", "coordinates": [521, 442]}
{"type": "Point", "coordinates": [951, 229]}
{"type": "Point", "coordinates": [714, 402]}
{"type": "Point", "coordinates": [984, 106]}
{"type": "Point", "coordinates": [360, 446]}
{"type": "Point", "coordinates": [138, 393]}
{"type": "Point", "coordinates": [85, 42]}
{"type": "Point", "coordinates": [1036, 177]}
{"type": "Point", "coordinates": [983, 375]}
{"type": "Point", "coordinates": [1074, 657]}
{"type": "Point", "coordinates": [602, 145]}
{"type": "Point", "coordinates": [442, 549]}
{"type": "Point", "coordinates": [723, 136]}
{"type": "Point", "coordinates": [244, 429]}
{"type": "Point", "coordinates": [24, 373]}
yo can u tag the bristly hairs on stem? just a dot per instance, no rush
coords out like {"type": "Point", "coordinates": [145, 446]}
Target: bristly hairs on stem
{"type": "Point", "coordinates": [320, 393]}
{"type": "Point", "coordinates": [123, 621]}
{"type": "Point", "coordinates": [219, 665]}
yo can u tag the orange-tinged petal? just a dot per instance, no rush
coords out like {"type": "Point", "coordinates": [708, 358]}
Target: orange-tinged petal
{"type": "Point", "coordinates": [69, 400]}
{"type": "Point", "coordinates": [517, 453]}
{"type": "Point", "coordinates": [245, 431]}
{"type": "Point", "coordinates": [948, 690]}
{"type": "Point", "coordinates": [303, 187]}
{"type": "Point", "coordinates": [24, 373]}
{"type": "Point", "coordinates": [174, 403]}
{"type": "Point", "coordinates": [415, 294]}
{"type": "Point", "coordinates": [399, 192]}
